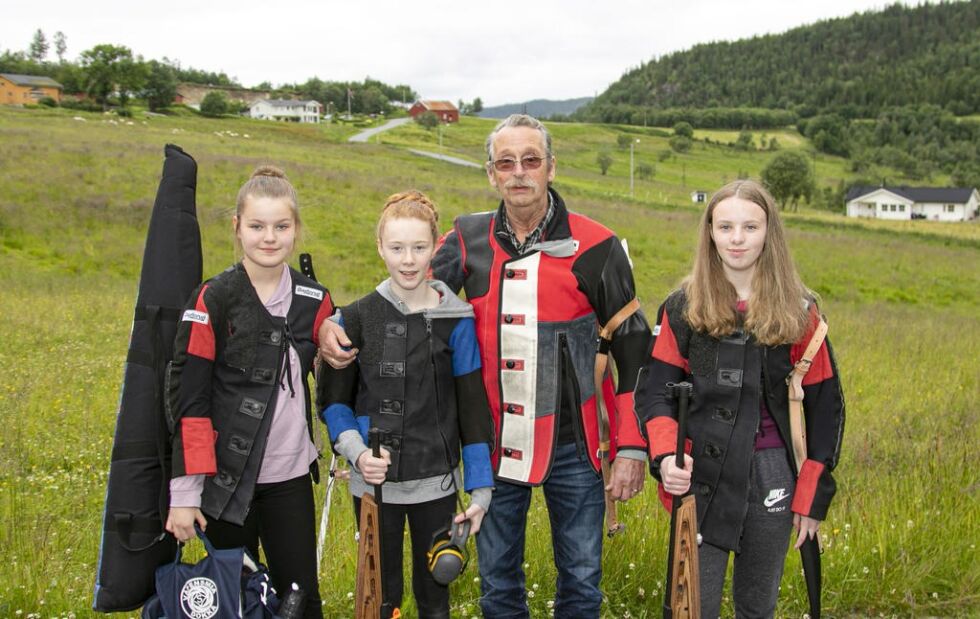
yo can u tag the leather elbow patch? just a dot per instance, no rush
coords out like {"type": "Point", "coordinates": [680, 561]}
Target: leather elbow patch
{"type": "Point", "coordinates": [806, 486]}
{"type": "Point", "coordinates": [198, 436]}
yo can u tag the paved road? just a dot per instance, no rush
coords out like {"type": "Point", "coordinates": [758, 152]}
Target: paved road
{"type": "Point", "coordinates": [366, 135]}
{"type": "Point", "coordinates": [446, 158]}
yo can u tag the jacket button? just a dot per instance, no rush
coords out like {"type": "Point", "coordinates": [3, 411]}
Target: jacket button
{"type": "Point", "coordinates": [510, 365]}
{"type": "Point", "coordinates": [508, 318]}
{"type": "Point", "coordinates": [705, 489]}
{"type": "Point", "coordinates": [510, 274]}
{"type": "Point", "coordinates": [510, 409]}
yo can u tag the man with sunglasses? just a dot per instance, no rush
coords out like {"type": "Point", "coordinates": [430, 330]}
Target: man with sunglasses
{"type": "Point", "coordinates": [542, 281]}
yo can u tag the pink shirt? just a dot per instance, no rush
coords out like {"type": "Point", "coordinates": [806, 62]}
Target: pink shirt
{"type": "Point", "coordinates": [288, 450]}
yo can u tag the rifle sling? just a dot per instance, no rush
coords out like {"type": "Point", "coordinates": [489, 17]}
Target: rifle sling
{"type": "Point", "coordinates": [794, 382]}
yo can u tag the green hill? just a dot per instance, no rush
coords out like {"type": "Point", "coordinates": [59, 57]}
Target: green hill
{"type": "Point", "coordinates": [856, 65]}
{"type": "Point", "coordinates": [76, 196]}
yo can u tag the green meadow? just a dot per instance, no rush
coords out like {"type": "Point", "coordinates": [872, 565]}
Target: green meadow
{"type": "Point", "coordinates": [902, 300]}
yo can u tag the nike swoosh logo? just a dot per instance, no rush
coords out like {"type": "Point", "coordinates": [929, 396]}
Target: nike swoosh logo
{"type": "Point", "coordinates": [772, 500]}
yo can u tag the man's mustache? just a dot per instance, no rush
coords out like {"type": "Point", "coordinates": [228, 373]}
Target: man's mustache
{"type": "Point", "coordinates": [515, 183]}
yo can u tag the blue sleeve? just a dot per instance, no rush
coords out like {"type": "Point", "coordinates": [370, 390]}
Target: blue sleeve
{"type": "Point", "coordinates": [339, 418]}
{"type": "Point", "coordinates": [466, 351]}
{"type": "Point", "coordinates": [477, 472]}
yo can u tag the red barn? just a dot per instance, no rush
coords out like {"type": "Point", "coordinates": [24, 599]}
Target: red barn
{"type": "Point", "coordinates": [446, 111]}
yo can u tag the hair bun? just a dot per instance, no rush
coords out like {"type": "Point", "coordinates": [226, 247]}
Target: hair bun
{"type": "Point", "coordinates": [268, 170]}
{"type": "Point", "coordinates": [413, 196]}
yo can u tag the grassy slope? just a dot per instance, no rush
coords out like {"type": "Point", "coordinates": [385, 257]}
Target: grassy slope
{"type": "Point", "coordinates": [76, 197]}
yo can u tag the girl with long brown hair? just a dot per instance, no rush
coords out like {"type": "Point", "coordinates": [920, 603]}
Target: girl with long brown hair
{"type": "Point", "coordinates": [734, 329]}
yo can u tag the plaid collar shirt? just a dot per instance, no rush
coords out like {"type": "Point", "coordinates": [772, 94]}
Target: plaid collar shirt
{"type": "Point", "coordinates": [507, 232]}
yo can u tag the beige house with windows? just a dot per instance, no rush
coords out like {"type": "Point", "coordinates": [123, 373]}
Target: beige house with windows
{"type": "Point", "coordinates": [905, 203]}
{"type": "Point", "coordinates": [18, 89]}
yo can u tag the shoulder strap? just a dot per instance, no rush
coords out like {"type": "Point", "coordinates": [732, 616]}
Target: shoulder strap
{"type": "Point", "coordinates": [794, 382]}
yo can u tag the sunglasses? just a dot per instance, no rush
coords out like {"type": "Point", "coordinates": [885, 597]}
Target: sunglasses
{"type": "Point", "coordinates": [507, 164]}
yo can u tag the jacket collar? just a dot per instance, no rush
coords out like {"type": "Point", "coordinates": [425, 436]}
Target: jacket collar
{"type": "Point", "coordinates": [557, 229]}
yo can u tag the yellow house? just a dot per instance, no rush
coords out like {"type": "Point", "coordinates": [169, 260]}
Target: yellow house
{"type": "Point", "coordinates": [19, 89]}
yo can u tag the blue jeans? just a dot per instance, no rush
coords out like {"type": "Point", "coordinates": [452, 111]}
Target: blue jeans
{"type": "Point", "coordinates": [574, 496]}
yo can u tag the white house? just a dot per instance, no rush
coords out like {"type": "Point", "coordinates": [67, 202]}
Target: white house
{"type": "Point", "coordinates": [931, 203]}
{"type": "Point", "coordinates": [284, 109]}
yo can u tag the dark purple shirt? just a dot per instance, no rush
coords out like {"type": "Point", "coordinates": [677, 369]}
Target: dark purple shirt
{"type": "Point", "coordinates": [767, 436]}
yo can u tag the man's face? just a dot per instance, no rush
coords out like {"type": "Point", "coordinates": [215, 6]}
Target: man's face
{"type": "Point", "coordinates": [521, 188]}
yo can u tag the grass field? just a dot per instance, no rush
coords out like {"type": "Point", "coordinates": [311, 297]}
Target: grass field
{"type": "Point", "coordinates": [902, 301]}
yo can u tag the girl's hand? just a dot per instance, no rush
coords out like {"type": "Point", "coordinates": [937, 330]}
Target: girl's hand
{"type": "Point", "coordinates": [676, 481]}
{"type": "Point", "coordinates": [180, 522]}
{"type": "Point", "coordinates": [374, 469]}
{"type": "Point", "coordinates": [805, 527]}
{"type": "Point", "coordinates": [474, 513]}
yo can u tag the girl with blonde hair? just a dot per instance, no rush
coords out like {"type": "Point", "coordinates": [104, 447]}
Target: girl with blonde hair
{"type": "Point", "coordinates": [735, 329]}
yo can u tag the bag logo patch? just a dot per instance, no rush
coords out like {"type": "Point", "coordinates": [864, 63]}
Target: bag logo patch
{"type": "Point", "coordinates": [306, 291]}
{"type": "Point", "coordinates": [775, 496]}
{"type": "Point", "coordinates": [196, 316]}
{"type": "Point", "coordinates": [199, 598]}
{"type": "Point", "coordinates": [656, 331]}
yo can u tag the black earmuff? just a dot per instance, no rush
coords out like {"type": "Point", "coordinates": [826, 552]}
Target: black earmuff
{"type": "Point", "coordinates": [447, 556]}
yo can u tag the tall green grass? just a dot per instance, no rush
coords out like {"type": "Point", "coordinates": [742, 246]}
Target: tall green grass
{"type": "Point", "coordinates": [900, 539]}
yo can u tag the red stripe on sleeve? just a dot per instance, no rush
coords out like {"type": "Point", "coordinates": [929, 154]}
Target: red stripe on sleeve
{"type": "Point", "coordinates": [806, 486]}
{"type": "Point", "coordinates": [665, 348]}
{"type": "Point", "coordinates": [201, 342]}
{"type": "Point", "coordinates": [662, 432]}
{"type": "Point", "coordinates": [198, 437]}
{"type": "Point", "coordinates": [325, 311]}
{"type": "Point", "coordinates": [627, 425]}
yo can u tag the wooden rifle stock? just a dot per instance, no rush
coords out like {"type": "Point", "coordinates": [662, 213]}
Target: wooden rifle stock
{"type": "Point", "coordinates": [369, 591]}
{"type": "Point", "coordinates": [682, 595]}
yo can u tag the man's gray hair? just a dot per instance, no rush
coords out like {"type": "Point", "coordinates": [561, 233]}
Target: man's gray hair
{"type": "Point", "coordinates": [520, 120]}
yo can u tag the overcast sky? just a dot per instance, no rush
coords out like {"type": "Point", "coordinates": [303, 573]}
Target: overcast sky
{"type": "Point", "coordinates": [501, 51]}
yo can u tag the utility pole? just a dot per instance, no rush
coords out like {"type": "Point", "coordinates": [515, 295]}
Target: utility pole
{"type": "Point", "coordinates": [632, 143]}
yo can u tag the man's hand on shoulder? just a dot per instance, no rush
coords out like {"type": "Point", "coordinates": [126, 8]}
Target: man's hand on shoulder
{"type": "Point", "coordinates": [335, 347]}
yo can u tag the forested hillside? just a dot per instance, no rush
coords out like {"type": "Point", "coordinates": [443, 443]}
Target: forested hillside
{"type": "Point", "coordinates": [855, 66]}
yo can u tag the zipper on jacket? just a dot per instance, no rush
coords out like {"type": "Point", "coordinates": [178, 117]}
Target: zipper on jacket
{"type": "Point", "coordinates": [576, 409]}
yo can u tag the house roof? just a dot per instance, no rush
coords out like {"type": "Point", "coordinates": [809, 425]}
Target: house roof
{"type": "Point", "coordinates": [31, 80]}
{"type": "Point", "coordinates": [286, 103]}
{"type": "Point", "coordinates": [439, 106]}
{"type": "Point", "coordinates": [951, 195]}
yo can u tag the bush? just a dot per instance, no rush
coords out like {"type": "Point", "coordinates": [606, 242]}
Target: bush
{"type": "Point", "coordinates": [604, 160]}
{"type": "Point", "coordinates": [83, 105]}
{"type": "Point", "coordinates": [214, 104]}
{"type": "Point", "coordinates": [645, 170]}
{"type": "Point", "coordinates": [680, 143]}
{"type": "Point", "coordinates": [684, 128]}
{"type": "Point", "coordinates": [125, 112]}
{"type": "Point", "coordinates": [48, 102]}
{"type": "Point", "coordinates": [744, 141]}
{"type": "Point", "coordinates": [428, 119]}
{"type": "Point", "coordinates": [623, 141]}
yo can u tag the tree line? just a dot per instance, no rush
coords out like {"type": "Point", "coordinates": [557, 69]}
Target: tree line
{"type": "Point", "coordinates": [113, 75]}
{"type": "Point", "coordinates": [854, 66]}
